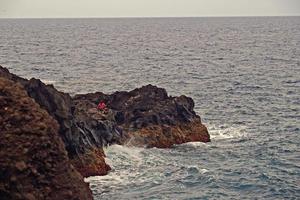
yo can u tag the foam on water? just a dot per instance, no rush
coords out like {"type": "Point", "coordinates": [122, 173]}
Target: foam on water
{"type": "Point", "coordinates": [124, 161]}
{"type": "Point", "coordinates": [142, 169]}
{"type": "Point", "coordinates": [132, 154]}
{"type": "Point", "coordinates": [227, 132]}
{"type": "Point", "coordinates": [48, 82]}
{"type": "Point", "coordinates": [193, 145]}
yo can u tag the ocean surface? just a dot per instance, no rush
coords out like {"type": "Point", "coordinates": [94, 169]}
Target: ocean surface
{"type": "Point", "coordinates": [243, 74]}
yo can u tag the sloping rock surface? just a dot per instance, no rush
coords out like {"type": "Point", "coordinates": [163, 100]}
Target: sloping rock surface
{"type": "Point", "coordinates": [33, 160]}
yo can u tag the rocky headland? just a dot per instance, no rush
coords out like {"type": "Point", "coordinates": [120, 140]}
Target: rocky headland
{"type": "Point", "coordinates": [145, 117]}
{"type": "Point", "coordinates": [148, 117]}
{"type": "Point", "coordinates": [33, 160]}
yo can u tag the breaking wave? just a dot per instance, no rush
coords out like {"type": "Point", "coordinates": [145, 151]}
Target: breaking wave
{"type": "Point", "coordinates": [227, 132]}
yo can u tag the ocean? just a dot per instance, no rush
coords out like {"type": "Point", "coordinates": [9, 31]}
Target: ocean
{"type": "Point", "coordinates": [243, 74]}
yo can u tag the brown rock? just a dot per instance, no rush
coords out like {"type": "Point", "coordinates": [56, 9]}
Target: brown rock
{"type": "Point", "coordinates": [80, 131]}
{"type": "Point", "coordinates": [21, 165]}
{"type": "Point", "coordinates": [92, 163]}
{"type": "Point", "coordinates": [151, 118]}
{"type": "Point", "coordinates": [146, 116]}
{"type": "Point", "coordinates": [23, 144]}
{"type": "Point", "coordinates": [29, 196]}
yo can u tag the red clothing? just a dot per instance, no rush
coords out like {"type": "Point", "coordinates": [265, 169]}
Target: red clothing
{"type": "Point", "coordinates": [101, 106]}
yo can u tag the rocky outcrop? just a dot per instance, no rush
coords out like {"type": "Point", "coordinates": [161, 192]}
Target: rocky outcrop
{"type": "Point", "coordinates": [146, 117]}
{"type": "Point", "coordinates": [151, 118]}
{"type": "Point", "coordinates": [33, 160]}
{"type": "Point", "coordinates": [82, 141]}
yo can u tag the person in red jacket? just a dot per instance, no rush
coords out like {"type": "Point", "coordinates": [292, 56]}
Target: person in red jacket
{"type": "Point", "coordinates": [102, 106]}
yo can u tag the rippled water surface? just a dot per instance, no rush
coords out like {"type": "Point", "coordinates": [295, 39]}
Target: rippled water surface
{"type": "Point", "coordinates": [243, 73]}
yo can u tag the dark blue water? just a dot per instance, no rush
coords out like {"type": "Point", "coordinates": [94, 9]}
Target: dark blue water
{"type": "Point", "coordinates": [243, 73]}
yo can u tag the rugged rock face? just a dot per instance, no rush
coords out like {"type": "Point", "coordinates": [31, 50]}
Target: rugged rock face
{"type": "Point", "coordinates": [146, 117]}
{"type": "Point", "coordinates": [151, 118]}
{"type": "Point", "coordinates": [73, 130]}
{"type": "Point", "coordinates": [33, 160]}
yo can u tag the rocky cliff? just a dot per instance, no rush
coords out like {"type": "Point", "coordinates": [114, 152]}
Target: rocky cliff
{"type": "Point", "coordinates": [33, 160]}
{"type": "Point", "coordinates": [84, 149]}
{"type": "Point", "coordinates": [146, 117]}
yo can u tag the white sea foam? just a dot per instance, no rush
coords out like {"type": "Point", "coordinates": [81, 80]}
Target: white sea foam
{"type": "Point", "coordinates": [127, 162]}
{"type": "Point", "coordinates": [128, 154]}
{"type": "Point", "coordinates": [193, 144]}
{"type": "Point", "coordinates": [48, 81]}
{"type": "Point", "coordinates": [124, 162]}
{"type": "Point", "coordinates": [226, 132]}
{"type": "Point", "coordinates": [197, 169]}
{"type": "Point", "coordinates": [203, 171]}
{"type": "Point", "coordinates": [218, 133]}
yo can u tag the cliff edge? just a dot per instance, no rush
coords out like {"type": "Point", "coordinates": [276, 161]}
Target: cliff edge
{"type": "Point", "coordinates": [33, 160]}
{"type": "Point", "coordinates": [145, 117]}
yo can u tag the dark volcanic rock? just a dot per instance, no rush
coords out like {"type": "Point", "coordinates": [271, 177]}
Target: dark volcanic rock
{"type": "Point", "coordinates": [151, 118]}
{"type": "Point", "coordinates": [79, 134]}
{"type": "Point", "coordinates": [146, 116]}
{"type": "Point", "coordinates": [58, 105]}
{"type": "Point", "coordinates": [33, 160]}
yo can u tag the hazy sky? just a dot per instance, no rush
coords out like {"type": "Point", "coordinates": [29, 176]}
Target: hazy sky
{"type": "Point", "coordinates": [147, 8]}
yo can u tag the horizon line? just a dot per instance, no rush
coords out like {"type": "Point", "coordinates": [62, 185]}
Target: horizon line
{"type": "Point", "coordinates": [146, 17]}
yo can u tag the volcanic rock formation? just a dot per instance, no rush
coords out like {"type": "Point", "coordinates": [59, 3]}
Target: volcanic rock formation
{"type": "Point", "coordinates": [33, 160]}
{"type": "Point", "coordinates": [84, 149]}
{"type": "Point", "coordinates": [146, 117]}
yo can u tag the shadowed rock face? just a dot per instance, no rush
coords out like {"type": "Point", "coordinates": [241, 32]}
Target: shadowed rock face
{"type": "Point", "coordinates": [33, 160]}
{"type": "Point", "coordinates": [151, 118]}
{"type": "Point", "coordinates": [73, 130]}
{"type": "Point", "coordinates": [146, 117]}
{"type": "Point", "coordinates": [58, 105]}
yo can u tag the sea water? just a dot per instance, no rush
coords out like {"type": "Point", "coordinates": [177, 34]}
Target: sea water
{"type": "Point", "coordinates": [243, 74]}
